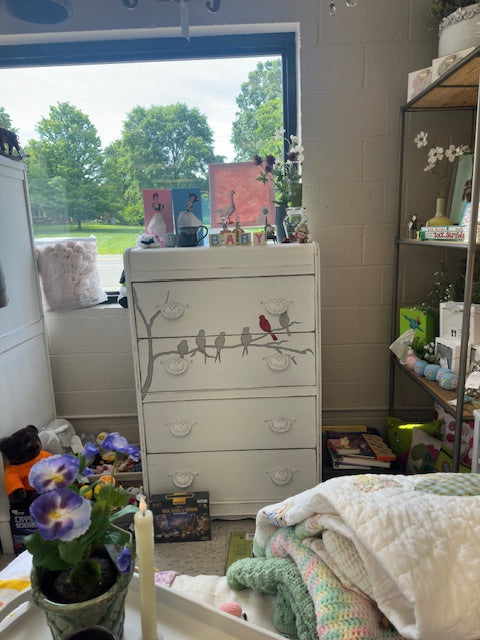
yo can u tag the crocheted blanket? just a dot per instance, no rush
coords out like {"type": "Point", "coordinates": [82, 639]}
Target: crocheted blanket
{"type": "Point", "coordinates": [311, 601]}
{"type": "Point", "coordinates": [406, 544]}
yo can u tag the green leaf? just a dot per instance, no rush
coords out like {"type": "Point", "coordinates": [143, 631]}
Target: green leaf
{"type": "Point", "coordinates": [45, 552]}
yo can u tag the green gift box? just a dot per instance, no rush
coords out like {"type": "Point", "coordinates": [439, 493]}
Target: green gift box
{"type": "Point", "coordinates": [421, 320]}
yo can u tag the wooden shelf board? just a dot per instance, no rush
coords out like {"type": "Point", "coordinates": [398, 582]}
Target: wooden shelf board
{"type": "Point", "coordinates": [442, 396]}
{"type": "Point", "coordinates": [455, 89]}
{"type": "Point", "coordinates": [435, 243]}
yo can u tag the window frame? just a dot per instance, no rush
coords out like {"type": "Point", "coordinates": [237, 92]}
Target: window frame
{"type": "Point", "coordinates": [90, 52]}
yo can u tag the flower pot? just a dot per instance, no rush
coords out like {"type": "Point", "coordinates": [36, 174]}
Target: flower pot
{"type": "Point", "coordinates": [459, 30]}
{"type": "Point", "coordinates": [280, 215]}
{"type": "Point", "coordinates": [106, 610]}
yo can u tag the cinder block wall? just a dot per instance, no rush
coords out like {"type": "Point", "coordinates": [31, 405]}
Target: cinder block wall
{"type": "Point", "coordinates": [352, 81]}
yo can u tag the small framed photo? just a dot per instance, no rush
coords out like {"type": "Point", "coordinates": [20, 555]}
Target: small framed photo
{"type": "Point", "coordinates": [459, 189]}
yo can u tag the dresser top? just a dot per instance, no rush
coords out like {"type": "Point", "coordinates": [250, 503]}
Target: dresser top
{"type": "Point", "coordinates": [223, 262]}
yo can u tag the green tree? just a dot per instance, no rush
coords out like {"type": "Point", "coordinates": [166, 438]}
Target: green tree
{"type": "Point", "coordinates": [5, 120]}
{"type": "Point", "coordinates": [161, 147]}
{"type": "Point", "coordinates": [260, 112]}
{"type": "Point", "coordinates": [65, 164]}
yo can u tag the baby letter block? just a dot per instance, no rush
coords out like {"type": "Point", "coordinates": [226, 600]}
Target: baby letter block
{"type": "Point", "coordinates": [229, 239]}
{"type": "Point", "coordinates": [258, 238]}
{"type": "Point", "coordinates": [245, 239]}
{"type": "Point", "coordinates": [215, 240]}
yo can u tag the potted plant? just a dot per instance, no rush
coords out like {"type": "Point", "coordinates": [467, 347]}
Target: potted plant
{"type": "Point", "coordinates": [286, 177]}
{"type": "Point", "coordinates": [440, 9]}
{"type": "Point", "coordinates": [82, 562]}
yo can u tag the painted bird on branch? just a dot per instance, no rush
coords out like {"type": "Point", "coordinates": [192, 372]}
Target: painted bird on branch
{"type": "Point", "coordinates": [265, 326]}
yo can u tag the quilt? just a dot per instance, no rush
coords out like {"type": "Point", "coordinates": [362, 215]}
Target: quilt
{"type": "Point", "coordinates": [407, 543]}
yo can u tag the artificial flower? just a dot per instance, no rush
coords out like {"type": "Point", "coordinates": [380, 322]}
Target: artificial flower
{"type": "Point", "coordinates": [435, 156]}
{"type": "Point", "coordinates": [285, 175]}
{"type": "Point", "coordinates": [55, 472]}
{"type": "Point", "coordinates": [61, 514]}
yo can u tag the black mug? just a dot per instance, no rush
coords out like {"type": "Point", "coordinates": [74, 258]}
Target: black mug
{"type": "Point", "coordinates": [92, 633]}
{"type": "Point", "coordinates": [189, 237]}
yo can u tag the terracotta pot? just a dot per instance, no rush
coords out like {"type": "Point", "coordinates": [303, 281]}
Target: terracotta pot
{"type": "Point", "coordinates": [106, 610]}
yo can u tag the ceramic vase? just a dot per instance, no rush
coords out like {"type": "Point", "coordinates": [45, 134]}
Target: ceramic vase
{"type": "Point", "coordinates": [280, 215]}
{"type": "Point", "coordinates": [106, 610]}
{"type": "Point", "coordinates": [439, 219]}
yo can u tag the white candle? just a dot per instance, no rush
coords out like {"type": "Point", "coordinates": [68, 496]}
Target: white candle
{"type": "Point", "coordinates": [144, 546]}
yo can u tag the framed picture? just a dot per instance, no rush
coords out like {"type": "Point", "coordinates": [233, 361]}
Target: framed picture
{"type": "Point", "coordinates": [236, 192]}
{"type": "Point", "coordinates": [158, 211]}
{"type": "Point", "coordinates": [459, 199]}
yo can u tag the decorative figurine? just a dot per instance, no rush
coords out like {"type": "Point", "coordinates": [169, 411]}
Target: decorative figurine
{"type": "Point", "coordinates": [270, 233]}
{"type": "Point", "coordinates": [9, 140]}
{"type": "Point", "coordinates": [302, 233]}
{"type": "Point", "coordinates": [412, 227]}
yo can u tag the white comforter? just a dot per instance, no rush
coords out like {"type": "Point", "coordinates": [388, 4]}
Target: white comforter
{"type": "Point", "coordinates": [419, 553]}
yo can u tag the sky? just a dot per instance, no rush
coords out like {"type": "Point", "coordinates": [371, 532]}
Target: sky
{"type": "Point", "coordinates": [106, 93]}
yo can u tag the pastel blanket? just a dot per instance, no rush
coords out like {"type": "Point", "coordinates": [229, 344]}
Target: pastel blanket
{"type": "Point", "coordinates": [413, 552]}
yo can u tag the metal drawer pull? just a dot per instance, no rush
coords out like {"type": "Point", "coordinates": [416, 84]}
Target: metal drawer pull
{"type": "Point", "coordinates": [183, 479]}
{"type": "Point", "coordinates": [176, 365]}
{"type": "Point", "coordinates": [172, 310]}
{"type": "Point", "coordinates": [278, 361]}
{"type": "Point", "coordinates": [180, 428]}
{"type": "Point", "coordinates": [281, 475]}
{"type": "Point", "coordinates": [276, 306]}
{"type": "Point", "coordinates": [280, 424]}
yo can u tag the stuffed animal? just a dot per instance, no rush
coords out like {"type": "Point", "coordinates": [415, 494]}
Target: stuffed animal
{"type": "Point", "coordinates": [22, 450]}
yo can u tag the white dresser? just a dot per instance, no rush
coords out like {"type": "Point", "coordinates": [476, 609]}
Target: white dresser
{"type": "Point", "coordinates": [223, 406]}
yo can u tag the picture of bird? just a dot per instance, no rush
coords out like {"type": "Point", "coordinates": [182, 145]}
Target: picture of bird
{"type": "Point", "coordinates": [227, 211]}
{"type": "Point", "coordinates": [265, 326]}
{"type": "Point", "coordinates": [245, 339]}
{"type": "Point", "coordinates": [182, 348]}
{"type": "Point", "coordinates": [413, 322]}
{"type": "Point", "coordinates": [219, 344]}
{"type": "Point", "coordinates": [285, 322]}
{"type": "Point", "coordinates": [201, 342]}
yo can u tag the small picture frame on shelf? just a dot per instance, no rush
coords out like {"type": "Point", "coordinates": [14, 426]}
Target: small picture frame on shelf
{"type": "Point", "coordinates": [459, 197]}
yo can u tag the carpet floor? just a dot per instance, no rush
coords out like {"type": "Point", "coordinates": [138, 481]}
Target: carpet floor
{"type": "Point", "coordinates": [207, 557]}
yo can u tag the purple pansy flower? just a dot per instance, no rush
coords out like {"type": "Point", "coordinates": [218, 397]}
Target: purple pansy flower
{"type": "Point", "coordinates": [90, 452]}
{"type": "Point", "coordinates": [61, 514]}
{"type": "Point", "coordinates": [124, 560]}
{"type": "Point", "coordinates": [55, 472]}
{"type": "Point", "coordinates": [116, 442]}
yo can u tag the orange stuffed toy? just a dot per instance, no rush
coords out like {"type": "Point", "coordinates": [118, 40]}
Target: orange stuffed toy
{"type": "Point", "coordinates": [22, 450]}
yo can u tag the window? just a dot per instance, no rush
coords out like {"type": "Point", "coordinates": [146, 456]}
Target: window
{"type": "Point", "coordinates": [112, 213]}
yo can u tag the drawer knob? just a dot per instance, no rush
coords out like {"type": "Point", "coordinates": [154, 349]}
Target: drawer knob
{"type": "Point", "coordinates": [183, 479]}
{"type": "Point", "coordinates": [278, 361]}
{"type": "Point", "coordinates": [172, 310]}
{"type": "Point", "coordinates": [280, 424]}
{"type": "Point", "coordinates": [281, 475]}
{"type": "Point", "coordinates": [180, 428]}
{"type": "Point", "coordinates": [276, 306]}
{"type": "Point", "coordinates": [176, 365]}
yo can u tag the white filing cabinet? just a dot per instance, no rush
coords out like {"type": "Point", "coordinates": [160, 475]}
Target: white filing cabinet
{"type": "Point", "coordinates": [223, 406]}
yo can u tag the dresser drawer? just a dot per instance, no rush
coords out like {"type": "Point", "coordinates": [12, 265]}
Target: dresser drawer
{"type": "Point", "coordinates": [178, 365]}
{"type": "Point", "coordinates": [268, 476]}
{"type": "Point", "coordinates": [182, 309]}
{"type": "Point", "coordinates": [223, 425]}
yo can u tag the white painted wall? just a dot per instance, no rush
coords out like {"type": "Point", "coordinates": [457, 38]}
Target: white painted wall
{"type": "Point", "coordinates": [352, 79]}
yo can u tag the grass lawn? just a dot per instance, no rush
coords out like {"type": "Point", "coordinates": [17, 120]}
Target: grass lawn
{"type": "Point", "coordinates": [111, 238]}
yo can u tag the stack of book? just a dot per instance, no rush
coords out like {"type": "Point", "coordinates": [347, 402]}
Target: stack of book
{"type": "Point", "coordinates": [358, 450]}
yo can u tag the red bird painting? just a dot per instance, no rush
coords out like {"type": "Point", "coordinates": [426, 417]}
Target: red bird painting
{"type": "Point", "coordinates": [265, 325]}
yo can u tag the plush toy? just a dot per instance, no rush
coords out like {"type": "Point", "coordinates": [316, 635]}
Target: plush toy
{"type": "Point", "coordinates": [22, 450]}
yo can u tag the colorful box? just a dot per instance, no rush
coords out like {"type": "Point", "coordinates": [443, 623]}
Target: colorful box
{"type": "Point", "coordinates": [421, 320]}
{"type": "Point", "coordinates": [181, 517]}
{"type": "Point", "coordinates": [22, 525]}
{"type": "Point", "coordinates": [451, 317]}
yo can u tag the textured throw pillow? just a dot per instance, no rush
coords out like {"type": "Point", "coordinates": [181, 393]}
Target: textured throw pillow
{"type": "Point", "coordinates": [423, 454]}
{"type": "Point", "coordinates": [400, 435]}
{"type": "Point", "coordinates": [444, 463]}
